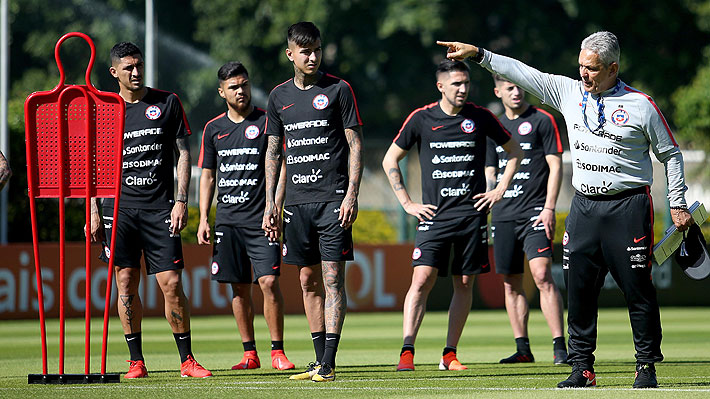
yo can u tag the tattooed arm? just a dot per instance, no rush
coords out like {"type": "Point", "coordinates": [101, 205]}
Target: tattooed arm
{"type": "Point", "coordinates": [270, 222]}
{"type": "Point", "coordinates": [391, 166]}
{"type": "Point", "coordinates": [178, 216]}
{"type": "Point", "coordinates": [348, 208]}
{"type": "Point", "coordinates": [5, 171]}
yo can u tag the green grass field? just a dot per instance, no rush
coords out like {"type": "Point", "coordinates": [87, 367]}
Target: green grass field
{"type": "Point", "coordinates": [369, 351]}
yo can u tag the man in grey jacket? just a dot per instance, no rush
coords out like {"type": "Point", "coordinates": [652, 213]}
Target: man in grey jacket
{"type": "Point", "coordinates": [611, 127]}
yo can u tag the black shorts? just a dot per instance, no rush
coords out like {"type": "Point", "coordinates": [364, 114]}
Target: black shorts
{"type": "Point", "coordinates": [466, 236]}
{"type": "Point", "coordinates": [312, 234]}
{"type": "Point", "coordinates": [239, 249]}
{"type": "Point", "coordinates": [514, 238]}
{"type": "Point", "coordinates": [146, 232]}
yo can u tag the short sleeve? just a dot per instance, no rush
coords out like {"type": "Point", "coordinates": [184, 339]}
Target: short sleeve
{"type": "Point", "coordinates": [491, 154]}
{"type": "Point", "coordinates": [408, 134]}
{"type": "Point", "coordinates": [208, 153]}
{"type": "Point", "coordinates": [182, 128]}
{"type": "Point", "coordinates": [494, 129]}
{"type": "Point", "coordinates": [274, 124]}
{"type": "Point", "coordinates": [549, 134]}
{"type": "Point", "coordinates": [348, 106]}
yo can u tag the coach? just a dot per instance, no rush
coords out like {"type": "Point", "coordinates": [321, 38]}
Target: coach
{"type": "Point", "coordinates": [610, 126]}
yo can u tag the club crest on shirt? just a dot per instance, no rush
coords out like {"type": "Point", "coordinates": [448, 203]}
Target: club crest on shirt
{"type": "Point", "coordinates": [251, 132]}
{"type": "Point", "coordinates": [525, 128]}
{"type": "Point", "coordinates": [153, 112]}
{"type": "Point", "coordinates": [284, 250]}
{"type": "Point", "coordinates": [565, 239]}
{"type": "Point", "coordinates": [620, 117]}
{"type": "Point", "coordinates": [468, 126]}
{"type": "Point", "coordinates": [320, 101]}
{"type": "Point", "coordinates": [215, 268]}
{"type": "Point", "coordinates": [416, 254]}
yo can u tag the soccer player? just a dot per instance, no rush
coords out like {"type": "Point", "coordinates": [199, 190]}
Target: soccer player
{"type": "Point", "coordinates": [317, 116]}
{"type": "Point", "coordinates": [150, 219]}
{"type": "Point", "coordinates": [451, 138]}
{"type": "Point", "coordinates": [609, 229]}
{"type": "Point", "coordinates": [234, 142]}
{"type": "Point", "coordinates": [523, 222]}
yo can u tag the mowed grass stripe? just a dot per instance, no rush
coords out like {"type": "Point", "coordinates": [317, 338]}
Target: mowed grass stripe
{"type": "Point", "coordinates": [367, 358]}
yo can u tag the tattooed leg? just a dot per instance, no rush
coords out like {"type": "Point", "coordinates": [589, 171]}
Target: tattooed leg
{"type": "Point", "coordinates": [130, 309]}
{"type": "Point", "coordinates": [177, 308]}
{"type": "Point", "coordinates": [336, 301]}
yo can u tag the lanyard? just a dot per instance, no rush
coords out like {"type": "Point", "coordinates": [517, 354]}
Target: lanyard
{"type": "Point", "coordinates": [600, 108]}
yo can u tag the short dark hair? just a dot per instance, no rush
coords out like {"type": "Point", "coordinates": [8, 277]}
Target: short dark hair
{"type": "Point", "coordinates": [303, 33]}
{"type": "Point", "coordinates": [500, 79]}
{"type": "Point", "coordinates": [230, 70]}
{"type": "Point", "coordinates": [450, 66]}
{"type": "Point", "coordinates": [124, 49]}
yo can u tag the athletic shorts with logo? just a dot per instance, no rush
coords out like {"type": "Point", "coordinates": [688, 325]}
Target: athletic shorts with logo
{"type": "Point", "coordinates": [144, 232]}
{"type": "Point", "coordinates": [312, 234]}
{"type": "Point", "coordinates": [238, 250]}
{"type": "Point", "coordinates": [466, 236]}
{"type": "Point", "coordinates": [515, 238]}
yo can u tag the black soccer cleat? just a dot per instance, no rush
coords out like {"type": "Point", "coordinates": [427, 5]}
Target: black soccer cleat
{"type": "Point", "coordinates": [645, 376]}
{"type": "Point", "coordinates": [581, 377]}
{"type": "Point", "coordinates": [561, 357]}
{"type": "Point", "coordinates": [518, 357]}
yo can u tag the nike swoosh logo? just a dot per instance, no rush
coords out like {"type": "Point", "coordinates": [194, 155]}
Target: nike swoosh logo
{"type": "Point", "coordinates": [287, 106]}
{"type": "Point", "coordinates": [275, 267]}
{"type": "Point", "coordinates": [541, 250]}
{"type": "Point", "coordinates": [329, 339]}
{"type": "Point", "coordinates": [177, 261]}
{"type": "Point", "coordinates": [130, 339]}
{"type": "Point", "coordinates": [221, 136]}
{"type": "Point", "coordinates": [345, 251]}
{"type": "Point", "coordinates": [437, 127]}
{"type": "Point", "coordinates": [182, 337]}
{"type": "Point", "coordinates": [637, 240]}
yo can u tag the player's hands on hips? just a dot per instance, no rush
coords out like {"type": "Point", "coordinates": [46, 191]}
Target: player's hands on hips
{"type": "Point", "coordinates": [547, 219]}
{"type": "Point", "coordinates": [420, 211]}
{"type": "Point", "coordinates": [97, 228]}
{"type": "Point", "coordinates": [203, 232]}
{"type": "Point", "coordinates": [348, 211]}
{"type": "Point", "coordinates": [271, 222]}
{"type": "Point", "coordinates": [178, 217]}
{"type": "Point", "coordinates": [487, 199]}
{"type": "Point", "coordinates": [682, 219]}
{"type": "Point", "coordinates": [458, 51]}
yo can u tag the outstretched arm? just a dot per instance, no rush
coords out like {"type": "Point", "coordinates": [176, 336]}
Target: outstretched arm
{"type": "Point", "coordinates": [391, 166]}
{"type": "Point", "coordinates": [348, 208]}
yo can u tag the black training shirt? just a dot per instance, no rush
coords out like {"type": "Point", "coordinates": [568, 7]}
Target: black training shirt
{"type": "Point", "coordinates": [152, 125]}
{"type": "Point", "coordinates": [237, 152]}
{"type": "Point", "coordinates": [452, 151]}
{"type": "Point", "coordinates": [312, 123]}
{"type": "Point", "coordinates": [537, 133]}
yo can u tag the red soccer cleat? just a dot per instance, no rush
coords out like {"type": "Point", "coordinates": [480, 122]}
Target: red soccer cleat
{"type": "Point", "coordinates": [190, 368]}
{"type": "Point", "coordinates": [136, 369]}
{"type": "Point", "coordinates": [450, 362]}
{"type": "Point", "coordinates": [406, 361]}
{"type": "Point", "coordinates": [280, 361]}
{"type": "Point", "coordinates": [249, 361]}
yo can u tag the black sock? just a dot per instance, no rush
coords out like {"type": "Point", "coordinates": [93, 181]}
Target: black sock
{"type": "Point", "coordinates": [523, 344]}
{"type": "Point", "coordinates": [407, 347]}
{"type": "Point", "coordinates": [331, 347]}
{"type": "Point", "coordinates": [559, 344]}
{"type": "Point", "coordinates": [249, 346]}
{"type": "Point", "coordinates": [318, 344]}
{"type": "Point", "coordinates": [184, 345]}
{"type": "Point", "coordinates": [134, 346]}
{"type": "Point", "coordinates": [277, 345]}
{"type": "Point", "coordinates": [448, 349]}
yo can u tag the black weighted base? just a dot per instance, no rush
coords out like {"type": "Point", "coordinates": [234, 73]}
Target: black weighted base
{"type": "Point", "coordinates": [73, 378]}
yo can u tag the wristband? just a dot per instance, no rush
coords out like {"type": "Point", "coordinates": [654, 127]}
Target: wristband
{"type": "Point", "coordinates": [549, 209]}
{"type": "Point", "coordinates": [478, 58]}
{"type": "Point", "coordinates": [181, 200]}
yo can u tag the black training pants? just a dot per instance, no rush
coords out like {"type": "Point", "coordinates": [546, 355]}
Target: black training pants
{"type": "Point", "coordinates": [610, 234]}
